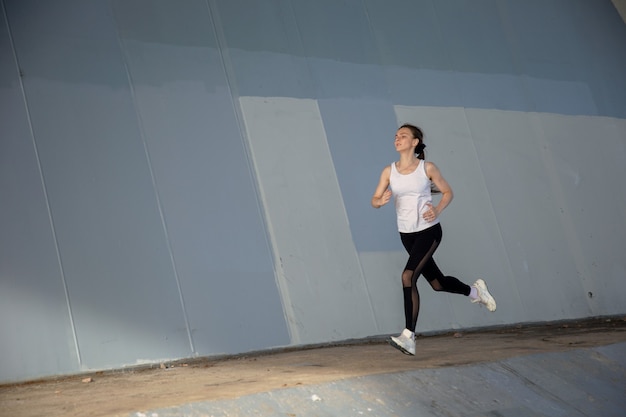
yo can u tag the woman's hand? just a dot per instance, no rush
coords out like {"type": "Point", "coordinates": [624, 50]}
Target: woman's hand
{"type": "Point", "coordinates": [384, 199]}
{"type": "Point", "coordinates": [430, 215]}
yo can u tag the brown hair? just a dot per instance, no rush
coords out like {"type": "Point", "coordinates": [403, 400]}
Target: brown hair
{"type": "Point", "coordinates": [418, 134]}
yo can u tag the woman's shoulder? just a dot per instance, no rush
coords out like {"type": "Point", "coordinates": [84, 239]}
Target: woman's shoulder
{"type": "Point", "coordinates": [429, 165]}
{"type": "Point", "coordinates": [386, 173]}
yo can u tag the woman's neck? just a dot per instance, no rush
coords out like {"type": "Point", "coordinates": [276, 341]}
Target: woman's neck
{"type": "Point", "coordinates": [407, 159]}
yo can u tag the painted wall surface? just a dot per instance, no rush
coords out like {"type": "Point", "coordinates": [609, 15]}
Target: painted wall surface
{"type": "Point", "coordinates": [193, 178]}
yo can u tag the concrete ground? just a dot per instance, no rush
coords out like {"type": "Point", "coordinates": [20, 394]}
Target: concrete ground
{"type": "Point", "coordinates": [565, 369]}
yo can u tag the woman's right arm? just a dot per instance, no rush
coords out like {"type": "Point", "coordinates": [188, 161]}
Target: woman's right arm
{"type": "Point", "coordinates": [382, 195]}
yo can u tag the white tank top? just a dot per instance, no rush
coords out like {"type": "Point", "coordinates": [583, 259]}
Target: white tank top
{"type": "Point", "coordinates": [411, 193]}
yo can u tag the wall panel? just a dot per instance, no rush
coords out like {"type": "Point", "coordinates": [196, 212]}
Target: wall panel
{"type": "Point", "coordinates": [202, 176]}
{"type": "Point", "coordinates": [103, 205]}
{"type": "Point", "coordinates": [317, 263]}
{"type": "Point", "coordinates": [34, 311]}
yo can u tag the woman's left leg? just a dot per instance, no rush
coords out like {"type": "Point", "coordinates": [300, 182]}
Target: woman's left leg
{"type": "Point", "coordinates": [445, 283]}
{"type": "Point", "coordinates": [437, 280]}
{"type": "Point", "coordinates": [478, 292]}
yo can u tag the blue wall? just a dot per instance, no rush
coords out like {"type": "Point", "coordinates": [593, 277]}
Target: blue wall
{"type": "Point", "coordinates": [193, 178]}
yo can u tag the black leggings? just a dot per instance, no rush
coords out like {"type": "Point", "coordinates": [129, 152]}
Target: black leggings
{"type": "Point", "coordinates": [421, 246]}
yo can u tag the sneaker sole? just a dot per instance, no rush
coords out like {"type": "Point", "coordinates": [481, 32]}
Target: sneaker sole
{"type": "Point", "coordinates": [400, 348]}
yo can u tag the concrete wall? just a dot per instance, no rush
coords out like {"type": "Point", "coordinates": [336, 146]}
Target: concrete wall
{"type": "Point", "coordinates": [192, 178]}
{"type": "Point", "coordinates": [620, 5]}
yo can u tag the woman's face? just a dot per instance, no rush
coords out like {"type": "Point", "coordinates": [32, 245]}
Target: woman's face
{"type": "Point", "coordinates": [404, 139]}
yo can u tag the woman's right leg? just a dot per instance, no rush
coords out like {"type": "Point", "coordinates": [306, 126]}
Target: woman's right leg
{"type": "Point", "coordinates": [421, 246]}
{"type": "Point", "coordinates": [411, 299]}
{"type": "Point", "coordinates": [420, 249]}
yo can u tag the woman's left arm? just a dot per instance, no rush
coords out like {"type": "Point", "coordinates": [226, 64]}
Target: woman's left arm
{"type": "Point", "coordinates": [446, 191]}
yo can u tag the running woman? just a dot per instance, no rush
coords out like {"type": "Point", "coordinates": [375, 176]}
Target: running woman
{"type": "Point", "coordinates": [409, 182]}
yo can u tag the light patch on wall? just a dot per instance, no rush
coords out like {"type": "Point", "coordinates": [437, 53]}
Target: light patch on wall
{"type": "Point", "coordinates": [317, 266]}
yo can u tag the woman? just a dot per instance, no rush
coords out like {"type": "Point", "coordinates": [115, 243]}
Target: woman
{"type": "Point", "coordinates": [409, 181]}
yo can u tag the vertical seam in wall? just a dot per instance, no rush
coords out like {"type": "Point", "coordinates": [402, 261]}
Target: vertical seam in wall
{"type": "Point", "coordinates": [464, 109]}
{"type": "Point", "coordinates": [572, 239]}
{"type": "Point", "coordinates": [295, 331]}
{"type": "Point", "coordinates": [251, 165]}
{"type": "Point", "coordinates": [369, 295]}
{"type": "Point", "coordinates": [154, 184]}
{"type": "Point", "coordinates": [45, 191]}
{"type": "Point", "coordinates": [493, 211]}
{"type": "Point", "coordinates": [457, 90]}
{"type": "Point", "coordinates": [347, 220]}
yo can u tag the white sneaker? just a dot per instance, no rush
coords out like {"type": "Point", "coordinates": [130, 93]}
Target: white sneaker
{"type": "Point", "coordinates": [483, 295]}
{"type": "Point", "coordinates": [405, 343]}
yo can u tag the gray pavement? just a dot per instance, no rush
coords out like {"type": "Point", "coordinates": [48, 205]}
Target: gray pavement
{"type": "Point", "coordinates": [575, 383]}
